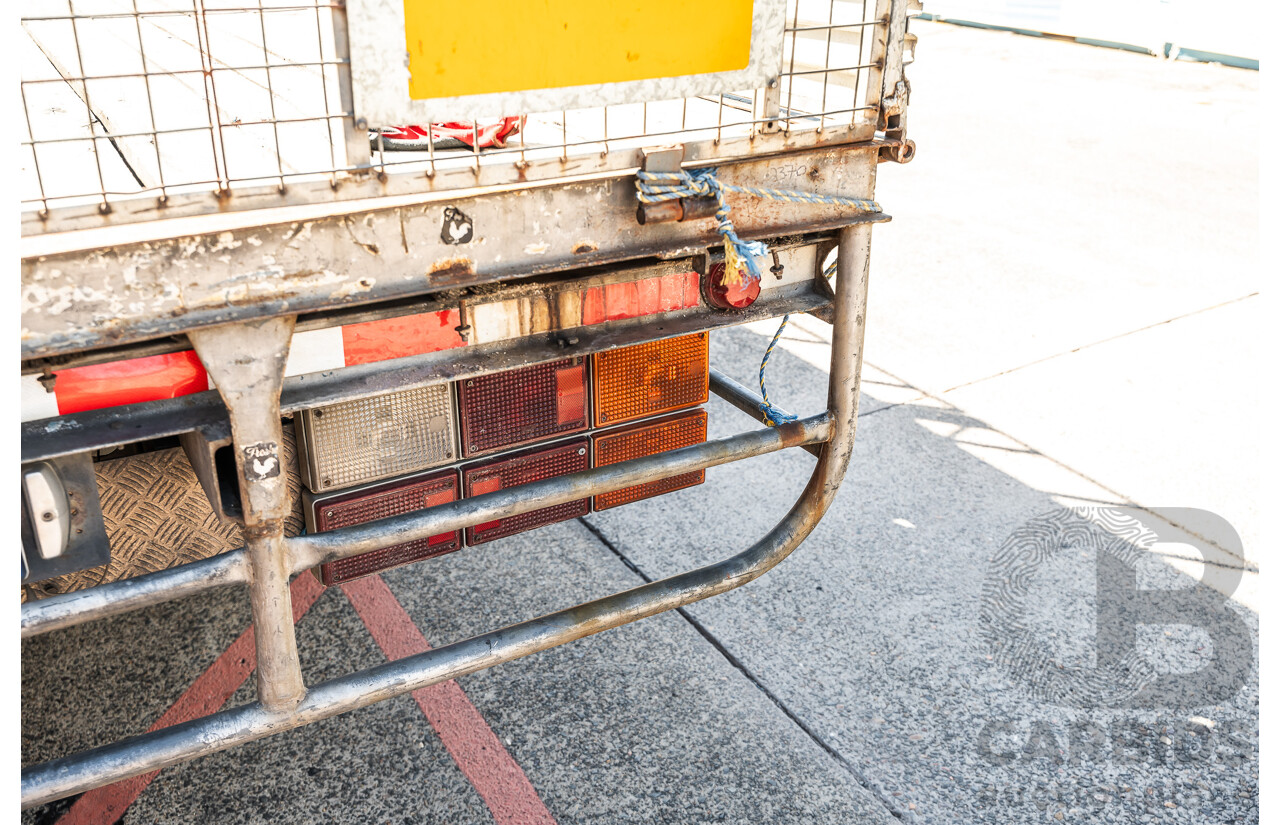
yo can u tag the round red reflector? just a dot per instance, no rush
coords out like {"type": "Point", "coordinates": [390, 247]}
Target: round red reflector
{"type": "Point", "coordinates": [730, 296]}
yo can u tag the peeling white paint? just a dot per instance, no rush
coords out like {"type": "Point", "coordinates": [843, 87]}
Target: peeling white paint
{"type": "Point", "coordinates": [537, 248]}
{"type": "Point", "coordinates": [350, 288]}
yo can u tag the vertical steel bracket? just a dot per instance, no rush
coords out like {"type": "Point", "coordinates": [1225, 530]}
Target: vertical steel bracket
{"type": "Point", "coordinates": [246, 362]}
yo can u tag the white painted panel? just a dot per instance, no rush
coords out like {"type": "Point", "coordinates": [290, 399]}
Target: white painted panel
{"type": "Point", "coordinates": [37, 402]}
{"type": "Point", "coordinates": [315, 350]}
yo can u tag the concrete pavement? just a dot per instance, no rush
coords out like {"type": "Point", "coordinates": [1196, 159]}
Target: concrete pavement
{"type": "Point", "coordinates": [1061, 313]}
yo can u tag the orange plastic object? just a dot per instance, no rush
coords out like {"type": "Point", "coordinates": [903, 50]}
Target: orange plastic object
{"type": "Point", "coordinates": [650, 379]}
{"type": "Point", "coordinates": [648, 438]}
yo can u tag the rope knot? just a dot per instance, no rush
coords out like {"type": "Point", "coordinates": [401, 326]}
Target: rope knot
{"type": "Point", "coordinates": [739, 255]}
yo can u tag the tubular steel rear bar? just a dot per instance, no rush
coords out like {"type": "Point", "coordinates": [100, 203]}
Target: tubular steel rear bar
{"type": "Point", "coordinates": [81, 606]}
{"type": "Point", "coordinates": [269, 556]}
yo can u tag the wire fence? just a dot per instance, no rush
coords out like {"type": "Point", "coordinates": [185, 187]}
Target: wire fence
{"type": "Point", "coordinates": [131, 107]}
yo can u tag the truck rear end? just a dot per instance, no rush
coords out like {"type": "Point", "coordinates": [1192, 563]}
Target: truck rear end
{"type": "Point", "coordinates": [269, 330]}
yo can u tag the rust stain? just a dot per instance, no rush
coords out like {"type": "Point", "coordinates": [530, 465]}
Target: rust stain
{"type": "Point", "coordinates": [583, 247]}
{"type": "Point", "coordinates": [452, 269]}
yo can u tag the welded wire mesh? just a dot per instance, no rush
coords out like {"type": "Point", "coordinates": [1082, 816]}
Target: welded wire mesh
{"type": "Point", "coordinates": [133, 106]}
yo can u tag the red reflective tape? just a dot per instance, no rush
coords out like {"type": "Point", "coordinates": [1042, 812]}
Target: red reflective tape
{"type": "Point", "coordinates": [649, 296]}
{"type": "Point", "coordinates": [592, 306]}
{"type": "Point", "coordinates": [495, 775]}
{"type": "Point", "coordinates": [679, 290]}
{"type": "Point", "coordinates": [636, 299]}
{"type": "Point", "coordinates": [692, 293]}
{"type": "Point", "coordinates": [621, 301]}
{"type": "Point", "coordinates": [399, 337]}
{"type": "Point", "coordinates": [129, 382]}
{"type": "Point", "coordinates": [209, 692]}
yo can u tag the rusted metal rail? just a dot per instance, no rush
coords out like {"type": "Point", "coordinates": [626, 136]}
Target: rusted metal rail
{"type": "Point", "coordinates": [835, 429]}
{"type": "Point", "coordinates": [233, 261]}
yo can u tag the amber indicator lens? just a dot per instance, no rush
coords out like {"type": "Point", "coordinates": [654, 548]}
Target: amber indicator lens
{"type": "Point", "coordinates": [648, 438]}
{"type": "Point", "coordinates": [649, 379]}
{"type": "Point", "coordinates": [530, 465]}
{"type": "Point", "coordinates": [330, 512]}
{"type": "Point", "coordinates": [357, 442]}
{"type": "Point", "coordinates": [508, 409]}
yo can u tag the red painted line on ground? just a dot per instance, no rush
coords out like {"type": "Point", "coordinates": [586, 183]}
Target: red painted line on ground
{"type": "Point", "coordinates": [474, 746]}
{"type": "Point", "coordinates": [207, 694]}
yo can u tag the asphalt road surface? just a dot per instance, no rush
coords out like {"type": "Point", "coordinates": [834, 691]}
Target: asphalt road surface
{"type": "Point", "coordinates": [1061, 314]}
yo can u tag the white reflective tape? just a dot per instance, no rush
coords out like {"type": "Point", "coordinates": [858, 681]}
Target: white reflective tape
{"type": "Point", "coordinates": [37, 402]}
{"type": "Point", "coordinates": [315, 350]}
{"type": "Point", "coordinates": [498, 321]}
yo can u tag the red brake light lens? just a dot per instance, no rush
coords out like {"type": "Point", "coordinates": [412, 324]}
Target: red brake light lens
{"type": "Point", "coordinates": [649, 438]}
{"type": "Point", "coordinates": [724, 295]}
{"type": "Point", "coordinates": [528, 466]}
{"type": "Point", "coordinates": [508, 409]}
{"type": "Point", "coordinates": [381, 501]}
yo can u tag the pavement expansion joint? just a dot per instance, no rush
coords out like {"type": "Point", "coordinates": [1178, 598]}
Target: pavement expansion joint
{"type": "Point", "coordinates": [733, 660]}
{"type": "Point", "coordinates": [1123, 500]}
{"type": "Point", "coordinates": [1099, 342]}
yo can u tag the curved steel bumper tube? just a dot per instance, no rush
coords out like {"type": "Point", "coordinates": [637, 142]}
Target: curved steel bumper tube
{"type": "Point", "coordinates": [747, 401]}
{"type": "Point", "coordinates": [142, 754]}
{"type": "Point", "coordinates": [106, 600]}
{"type": "Point", "coordinates": [79, 606]}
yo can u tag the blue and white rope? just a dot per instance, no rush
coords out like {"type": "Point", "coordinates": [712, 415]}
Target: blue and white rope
{"type": "Point", "coordinates": [771, 414]}
{"type": "Point", "coordinates": [739, 255]}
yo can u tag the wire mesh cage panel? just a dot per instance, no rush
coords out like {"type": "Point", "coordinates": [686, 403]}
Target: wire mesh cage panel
{"type": "Point", "coordinates": [144, 109]}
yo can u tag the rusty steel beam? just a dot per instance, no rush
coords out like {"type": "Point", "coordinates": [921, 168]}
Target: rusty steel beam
{"type": "Point", "coordinates": [153, 751]}
{"type": "Point", "coordinates": [133, 292]}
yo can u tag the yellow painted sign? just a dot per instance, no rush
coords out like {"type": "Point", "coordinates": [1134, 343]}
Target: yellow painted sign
{"type": "Point", "coordinates": [487, 46]}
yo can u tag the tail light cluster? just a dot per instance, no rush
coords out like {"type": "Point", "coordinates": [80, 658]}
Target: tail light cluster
{"type": "Point", "coordinates": [529, 465]}
{"type": "Point", "coordinates": [372, 502]}
{"type": "Point", "coordinates": [365, 460]}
